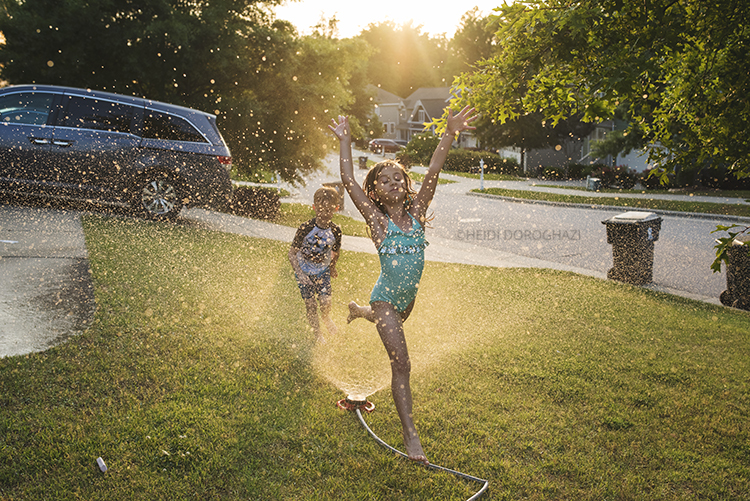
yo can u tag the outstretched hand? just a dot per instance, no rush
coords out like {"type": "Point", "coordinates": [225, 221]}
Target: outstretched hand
{"type": "Point", "coordinates": [460, 122]}
{"type": "Point", "coordinates": [341, 128]}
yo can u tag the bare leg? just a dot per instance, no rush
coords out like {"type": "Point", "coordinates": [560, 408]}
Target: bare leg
{"type": "Point", "coordinates": [391, 330]}
{"type": "Point", "coordinates": [311, 305]}
{"type": "Point", "coordinates": [325, 314]}
{"type": "Point", "coordinates": [356, 311]}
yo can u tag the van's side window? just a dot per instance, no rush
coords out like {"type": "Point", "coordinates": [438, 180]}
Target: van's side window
{"type": "Point", "coordinates": [97, 114]}
{"type": "Point", "coordinates": [30, 108]}
{"type": "Point", "coordinates": [159, 125]}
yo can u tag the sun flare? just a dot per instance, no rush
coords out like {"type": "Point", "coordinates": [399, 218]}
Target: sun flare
{"type": "Point", "coordinates": [353, 18]}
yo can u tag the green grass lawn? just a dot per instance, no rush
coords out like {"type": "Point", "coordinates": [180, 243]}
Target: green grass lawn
{"type": "Point", "coordinates": [293, 214]}
{"type": "Point", "coordinates": [487, 176]}
{"type": "Point", "coordinates": [418, 178]}
{"type": "Point", "coordinates": [636, 203]}
{"type": "Point", "coordinates": [199, 379]}
{"type": "Point", "coordinates": [695, 191]}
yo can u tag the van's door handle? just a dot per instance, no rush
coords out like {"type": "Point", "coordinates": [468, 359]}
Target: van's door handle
{"type": "Point", "coordinates": [39, 140]}
{"type": "Point", "coordinates": [63, 144]}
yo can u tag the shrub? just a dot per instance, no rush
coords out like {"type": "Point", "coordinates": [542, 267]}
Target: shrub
{"type": "Point", "coordinates": [721, 178]}
{"type": "Point", "coordinates": [553, 173]}
{"type": "Point", "coordinates": [463, 160]}
{"type": "Point", "coordinates": [407, 159]}
{"type": "Point", "coordinates": [653, 182]}
{"type": "Point", "coordinates": [579, 171]}
{"type": "Point", "coordinates": [619, 176]}
{"type": "Point", "coordinates": [255, 202]}
{"type": "Point", "coordinates": [420, 148]}
{"type": "Point", "coordinates": [501, 165]}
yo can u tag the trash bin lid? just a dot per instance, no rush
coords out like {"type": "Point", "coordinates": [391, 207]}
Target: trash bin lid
{"type": "Point", "coordinates": [632, 217]}
{"type": "Point", "coordinates": [635, 216]}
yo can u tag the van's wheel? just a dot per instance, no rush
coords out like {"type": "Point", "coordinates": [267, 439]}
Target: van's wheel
{"type": "Point", "coordinates": [156, 196]}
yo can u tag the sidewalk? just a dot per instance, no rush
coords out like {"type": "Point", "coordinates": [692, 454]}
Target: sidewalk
{"type": "Point", "coordinates": [46, 294]}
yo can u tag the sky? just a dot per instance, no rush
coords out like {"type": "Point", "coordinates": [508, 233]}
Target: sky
{"type": "Point", "coordinates": [355, 16]}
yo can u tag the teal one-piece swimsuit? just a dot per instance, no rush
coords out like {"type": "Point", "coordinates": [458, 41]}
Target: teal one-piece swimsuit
{"type": "Point", "coordinates": [401, 264]}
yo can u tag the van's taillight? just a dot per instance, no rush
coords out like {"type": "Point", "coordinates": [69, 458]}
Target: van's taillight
{"type": "Point", "coordinates": [225, 161]}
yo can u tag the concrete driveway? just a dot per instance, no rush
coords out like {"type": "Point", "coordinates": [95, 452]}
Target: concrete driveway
{"type": "Point", "coordinates": [46, 294]}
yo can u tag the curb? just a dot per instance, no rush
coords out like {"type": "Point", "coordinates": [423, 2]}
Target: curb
{"type": "Point", "coordinates": [614, 208]}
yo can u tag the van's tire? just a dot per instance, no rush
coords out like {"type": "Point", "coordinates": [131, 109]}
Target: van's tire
{"type": "Point", "coordinates": [156, 196]}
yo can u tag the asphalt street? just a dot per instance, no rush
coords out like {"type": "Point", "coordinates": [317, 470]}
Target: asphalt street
{"type": "Point", "coordinates": [46, 293]}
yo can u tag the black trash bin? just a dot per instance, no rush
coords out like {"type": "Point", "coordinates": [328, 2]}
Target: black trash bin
{"type": "Point", "coordinates": [362, 162]}
{"type": "Point", "coordinates": [632, 235]}
{"type": "Point", "coordinates": [737, 294]}
{"type": "Point", "coordinates": [339, 187]}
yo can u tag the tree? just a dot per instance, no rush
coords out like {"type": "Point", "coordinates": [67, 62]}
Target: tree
{"type": "Point", "coordinates": [272, 91]}
{"type": "Point", "coordinates": [405, 59]}
{"type": "Point", "coordinates": [680, 68]}
{"type": "Point", "coordinates": [530, 131]}
{"type": "Point", "coordinates": [473, 41]}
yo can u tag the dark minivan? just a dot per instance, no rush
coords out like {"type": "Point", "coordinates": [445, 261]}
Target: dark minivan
{"type": "Point", "coordinates": [85, 144]}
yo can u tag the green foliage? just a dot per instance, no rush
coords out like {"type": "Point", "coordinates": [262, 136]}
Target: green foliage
{"type": "Point", "coordinates": [421, 147]}
{"type": "Point", "coordinates": [719, 177]}
{"type": "Point", "coordinates": [407, 159]}
{"type": "Point", "coordinates": [463, 160]}
{"type": "Point", "coordinates": [618, 176]}
{"type": "Point", "coordinates": [553, 173]}
{"type": "Point", "coordinates": [652, 180]}
{"type": "Point", "coordinates": [405, 59]}
{"type": "Point", "coordinates": [271, 90]}
{"type": "Point", "coordinates": [473, 41]}
{"type": "Point", "coordinates": [723, 243]}
{"type": "Point", "coordinates": [680, 70]}
{"type": "Point", "coordinates": [580, 171]}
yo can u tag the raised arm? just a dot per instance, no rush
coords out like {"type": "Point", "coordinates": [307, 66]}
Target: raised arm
{"type": "Point", "coordinates": [454, 125]}
{"type": "Point", "coordinates": [357, 194]}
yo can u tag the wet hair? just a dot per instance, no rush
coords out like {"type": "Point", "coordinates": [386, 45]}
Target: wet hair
{"type": "Point", "coordinates": [372, 178]}
{"type": "Point", "coordinates": [326, 194]}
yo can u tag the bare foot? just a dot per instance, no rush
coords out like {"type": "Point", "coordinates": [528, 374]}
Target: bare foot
{"type": "Point", "coordinates": [355, 311]}
{"type": "Point", "coordinates": [414, 449]}
{"type": "Point", "coordinates": [332, 330]}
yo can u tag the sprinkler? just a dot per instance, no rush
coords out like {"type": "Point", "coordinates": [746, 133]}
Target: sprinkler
{"type": "Point", "coordinates": [356, 405]}
{"type": "Point", "coordinates": [351, 403]}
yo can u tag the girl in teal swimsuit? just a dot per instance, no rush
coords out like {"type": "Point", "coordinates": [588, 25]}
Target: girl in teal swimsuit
{"type": "Point", "coordinates": [396, 215]}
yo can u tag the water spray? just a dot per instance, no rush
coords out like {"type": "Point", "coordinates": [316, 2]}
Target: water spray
{"type": "Point", "coordinates": [353, 404]}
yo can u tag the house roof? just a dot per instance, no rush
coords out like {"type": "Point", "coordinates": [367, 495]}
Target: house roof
{"type": "Point", "coordinates": [432, 99]}
{"type": "Point", "coordinates": [384, 97]}
{"type": "Point", "coordinates": [430, 93]}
